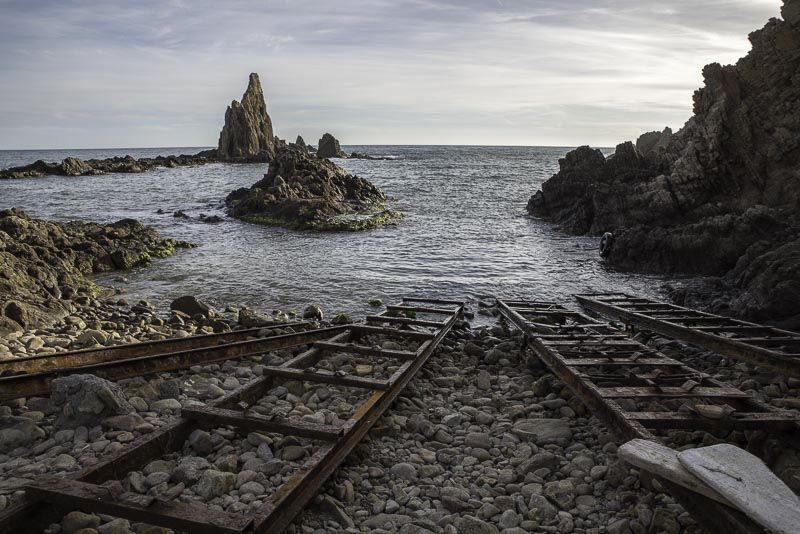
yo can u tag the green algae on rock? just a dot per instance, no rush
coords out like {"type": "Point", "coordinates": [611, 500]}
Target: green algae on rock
{"type": "Point", "coordinates": [304, 192]}
{"type": "Point", "coordinates": [43, 265]}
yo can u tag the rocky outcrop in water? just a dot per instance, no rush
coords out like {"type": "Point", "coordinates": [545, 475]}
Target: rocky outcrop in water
{"type": "Point", "coordinates": [306, 192]}
{"type": "Point", "coordinates": [300, 141]}
{"type": "Point", "coordinates": [719, 197]}
{"type": "Point", "coordinates": [247, 134]}
{"type": "Point", "coordinates": [76, 167]}
{"type": "Point", "coordinates": [328, 147]}
{"type": "Point", "coordinates": [43, 264]}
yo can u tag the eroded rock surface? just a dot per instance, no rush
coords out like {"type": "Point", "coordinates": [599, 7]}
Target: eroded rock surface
{"type": "Point", "coordinates": [720, 197]}
{"type": "Point", "coordinates": [43, 264]}
{"type": "Point", "coordinates": [306, 192]}
{"type": "Point", "coordinates": [328, 147]}
{"type": "Point", "coordinates": [76, 167]}
{"type": "Point", "coordinates": [247, 134]}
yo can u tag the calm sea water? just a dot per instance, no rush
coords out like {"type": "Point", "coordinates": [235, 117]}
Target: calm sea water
{"type": "Point", "coordinates": [465, 235]}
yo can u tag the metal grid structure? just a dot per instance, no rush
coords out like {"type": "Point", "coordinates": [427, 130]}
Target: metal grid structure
{"type": "Point", "coordinates": [96, 489]}
{"type": "Point", "coordinates": [31, 376]}
{"type": "Point", "coordinates": [765, 346]}
{"type": "Point", "coordinates": [639, 392]}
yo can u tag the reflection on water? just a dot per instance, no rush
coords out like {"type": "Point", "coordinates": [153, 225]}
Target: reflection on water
{"type": "Point", "coordinates": [465, 234]}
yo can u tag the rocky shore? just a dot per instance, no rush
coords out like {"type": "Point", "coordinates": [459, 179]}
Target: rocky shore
{"type": "Point", "coordinates": [307, 192]}
{"type": "Point", "coordinates": [483, 440]}
{"type": "Point", "coordinates": [78, 167]}
{"type": "Point", "coordinates": [44, 265]}
{"type": "Point", "coordinates": [718, 198]}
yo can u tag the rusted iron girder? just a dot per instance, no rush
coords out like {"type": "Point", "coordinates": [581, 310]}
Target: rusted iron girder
{"type": "Point", "coordinates": [613, 306]}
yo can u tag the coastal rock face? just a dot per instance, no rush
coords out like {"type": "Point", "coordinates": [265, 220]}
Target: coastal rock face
{"type": "Point", "coordinates": [43, 264]}
{"type": "Point", "coordinates": [247, 134]}
{"type": "Point", "coordinates": [328, 147]}
{"type": "Point", "coordinates": [306, 192]}
{"type": "Point", "coordinates": [720, 196]}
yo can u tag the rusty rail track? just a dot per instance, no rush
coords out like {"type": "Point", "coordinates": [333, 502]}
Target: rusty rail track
{"type": "Point", "coordinates": [95, 489]}
{"type": "Point", "coordinates": [639, 392]}
{"type": "Point", "coordinates": [31, 376]}
{"type": "Point", "coordinates": [765, 346]}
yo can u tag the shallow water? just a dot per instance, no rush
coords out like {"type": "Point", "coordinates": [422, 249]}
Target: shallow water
{"type": "Point", "coordinates": [465, 235]}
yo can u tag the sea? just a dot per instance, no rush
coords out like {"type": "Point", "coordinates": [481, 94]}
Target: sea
{"type": "Point", "coordinates": [465, 235]}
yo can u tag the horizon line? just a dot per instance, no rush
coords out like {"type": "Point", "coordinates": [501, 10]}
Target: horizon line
{"type": "Point", "coordinates": [341, 144]}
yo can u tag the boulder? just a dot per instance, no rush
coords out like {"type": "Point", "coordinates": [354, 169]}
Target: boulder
{"type": "Point", "coordinates": [43, 264]}
{"type": "Point", "coordinates": [247, 134]}
{"type": "Point", "coordinates": [86, 400]}
{"type": "Point", "coordinates": [304, 192]}
{"type": "Point", "coordinates": [190, 306]}
{"type": "Point", "coordinates": [328, 147]}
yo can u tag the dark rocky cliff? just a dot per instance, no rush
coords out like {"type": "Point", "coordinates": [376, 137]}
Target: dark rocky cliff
{"type": "Point", "coordinates": [247, 134]}
{"type": "Point", "coordinates": [720, 197]}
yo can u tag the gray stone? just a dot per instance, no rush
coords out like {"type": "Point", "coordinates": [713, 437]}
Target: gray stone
{"type": "Point", "coordinates": [200, 441]}
{"type": "Point", "coordinates": [214, 483]}
{"type": "Point", "coordinates": [190, 306]}
{"type": "Point", "coordinates": [544, 431]}
{"type": "Point", "coordinates": [85, 400]}
{"type": "Point", "coordinates": [404, 471]}
{"type": "Point", "coordinates": [472, 525]}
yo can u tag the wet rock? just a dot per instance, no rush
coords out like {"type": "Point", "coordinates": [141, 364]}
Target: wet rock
{"type": "Point", "coordinates": [313, 312]}
{"type": "Point", "coordinates": [86, 400]}
{"type": "Point", "coordinates": [190, 306]}
{"type": "Point", "coordinates": [304, 192]}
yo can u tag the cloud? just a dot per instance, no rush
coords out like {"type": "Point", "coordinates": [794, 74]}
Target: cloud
{"type": "Point", "coordinates": [86, 74]}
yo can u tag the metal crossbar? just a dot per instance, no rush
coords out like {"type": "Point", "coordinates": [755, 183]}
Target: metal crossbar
{"type": "Point", "coordinates": [771, 348]}
{"type": "Point", "coordinates": [93, 488]}
{"type": "Point", "coordinates": [611, 377]}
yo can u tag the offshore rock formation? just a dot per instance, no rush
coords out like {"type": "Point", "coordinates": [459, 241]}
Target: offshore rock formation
{"type": "Point", "coordinates": [306, 192]}
{"type": "Point", "coordinates": [720, 197]}
{"type": "Point", "coordinates": [247, 134]}
{"type": "Point", "coordinates": [328, 147]}
{"type": "Point", "coordinates": [43, 264]}
{"type": "Point", "coordinates": [77, 167]}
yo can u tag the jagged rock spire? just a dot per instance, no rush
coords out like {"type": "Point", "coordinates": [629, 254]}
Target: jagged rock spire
{"type": "Point", "coordinates": [247, 134]}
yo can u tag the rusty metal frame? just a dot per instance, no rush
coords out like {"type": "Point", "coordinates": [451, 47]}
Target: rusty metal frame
{"type": "Point", "coordinates": [200, 351]}
{"type": "Point", "coordinates": [731, 337]}
{"type": "Point", "coordinates": [44, 504]}
{"type": "Point", "coordinates": [571, 344]}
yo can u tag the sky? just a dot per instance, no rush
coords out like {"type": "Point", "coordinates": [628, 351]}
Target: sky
{"type": "Point", "coordinates": [153, 73]}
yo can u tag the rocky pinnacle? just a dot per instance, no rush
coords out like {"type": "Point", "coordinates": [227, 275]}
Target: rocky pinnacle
{"type": "Point", "coordinates": [247, 134]}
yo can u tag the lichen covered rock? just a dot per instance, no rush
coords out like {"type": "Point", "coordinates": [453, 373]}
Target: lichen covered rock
{"type": "Point", "coordinates": [86, 400]}
{"type": "Point", "coordinates": [305, 192]}
{"type": "Point", "coordinates": [43, 264]}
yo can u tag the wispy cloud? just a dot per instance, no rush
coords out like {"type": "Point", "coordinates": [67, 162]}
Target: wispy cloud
{"type": "Point", "coordinates": [86, 73]}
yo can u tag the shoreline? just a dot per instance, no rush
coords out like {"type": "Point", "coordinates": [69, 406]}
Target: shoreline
{"type": "Point", "coordinates": [427, 462]}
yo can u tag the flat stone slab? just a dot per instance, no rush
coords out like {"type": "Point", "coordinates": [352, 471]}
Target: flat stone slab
{"type": "Point", "coordinates": [747, 483]}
